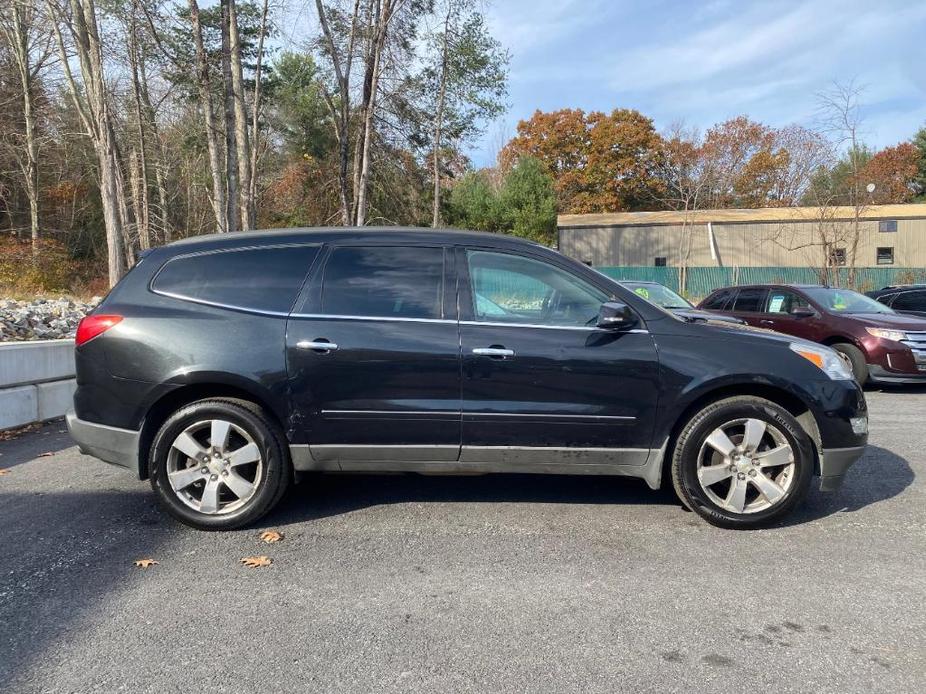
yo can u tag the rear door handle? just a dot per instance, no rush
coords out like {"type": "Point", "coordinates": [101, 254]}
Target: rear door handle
{"type": "Point", "coordinates": [497, 352]}
{"type": "Point", "coordinates": [320, 345]}
{"type": "Point", "coordinates": [767, 322]}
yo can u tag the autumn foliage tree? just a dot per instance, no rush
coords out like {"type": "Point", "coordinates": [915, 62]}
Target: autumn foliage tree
{"type": "Point", "coordinates": [893, 171]}
{"type": "Point", "coordinates": [599, 162]}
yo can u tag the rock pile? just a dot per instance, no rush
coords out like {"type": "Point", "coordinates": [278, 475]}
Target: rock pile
{"type": "Point", "coordinates": [42, 319]}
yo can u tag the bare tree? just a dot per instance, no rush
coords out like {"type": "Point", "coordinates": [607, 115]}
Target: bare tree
{"type": "Point", "coordinates": [92, 102]}
{"type": "Point", "coordinates": [465, 80]}
{"type": "Point", "coordinates": [339, 103]}
{"type": "Point", "coordinates": [688, 173]}
{"type": "Point", "coordinates": [22, 26]}
{"type": "Point", "coordinates": [840, 117]}
{"type": "Point", "coordinates": [242, 145]}
{"type": "Point", "coordinates": [204, 87]}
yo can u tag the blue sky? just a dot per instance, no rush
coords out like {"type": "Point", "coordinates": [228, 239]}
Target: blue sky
{"type": "Point", "coordinates": [702, 62]}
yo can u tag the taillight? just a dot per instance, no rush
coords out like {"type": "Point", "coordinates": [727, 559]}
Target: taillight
{"type": "Point", "coordinates": [91, 326]}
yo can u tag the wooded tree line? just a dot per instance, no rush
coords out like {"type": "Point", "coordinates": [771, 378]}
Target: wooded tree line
{"type": "Point", "coordinates": [130, 123]}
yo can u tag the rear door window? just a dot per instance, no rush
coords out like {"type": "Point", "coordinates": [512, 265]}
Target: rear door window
{"type": "Point", "coordinates": [384, 281]}
{"type": "Point", "coordinates": [259, 279]}
{"type": "Point", "coordinates": [750, 300]}
{"type": "Point", "coordinates": [910, 301]}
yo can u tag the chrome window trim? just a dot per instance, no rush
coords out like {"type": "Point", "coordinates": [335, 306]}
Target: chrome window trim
{"type": "Point", "coordinates": [217, 304]}
{"type": "Point", "coordinates": [235, 249]}
{"type": "Point", "coordinates": [391, 319]}
{"type": "Point", "coordinates": [402, 319]}
{"type": "Point", "coordinates": [586, 328]}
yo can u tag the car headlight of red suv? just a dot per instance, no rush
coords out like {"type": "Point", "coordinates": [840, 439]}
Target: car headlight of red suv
{"type": "Point", "coordinates": [888, 334]}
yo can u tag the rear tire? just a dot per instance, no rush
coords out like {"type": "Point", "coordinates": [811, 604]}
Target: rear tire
{"type": "Point", "coordinates": [219, 464]}
{"type": "Point", "coordinates": [856, 359]}
{"type": "Point", "coordinates": [742, 463]}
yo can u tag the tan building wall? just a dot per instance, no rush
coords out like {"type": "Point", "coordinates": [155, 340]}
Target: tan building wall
{"type": "Point", "coordinates": [795, 242]}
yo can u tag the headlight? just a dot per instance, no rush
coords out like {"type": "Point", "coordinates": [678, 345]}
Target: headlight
{"type": "Point", "coordinates": [825, 359]}
{"type": "Point", "coordinates": [896, 335]}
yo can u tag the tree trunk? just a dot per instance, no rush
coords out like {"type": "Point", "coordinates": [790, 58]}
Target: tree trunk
{"type": "Point", "coordinates": [246, 202]}
{"type": "Point", "coordinates": [255, 109]}
{"type": "Point", "coordinates": [439, 120]}
{"type": "Point", "coordinates": [341, 112]}
{"type": "Point", "coordinates": [205, 103]}
{"type": "Point", "coordinates": [18, 37]}
{"type": "Point", "coordinates": [138, 160]}
{"type": "Point", "coordinates": [382, 27]}
{"type": "Point", "coordinates": [231, 146]}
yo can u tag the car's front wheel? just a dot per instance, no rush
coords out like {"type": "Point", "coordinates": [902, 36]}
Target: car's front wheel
{"type": "Point", "coordinates": [743, 462]}
{"type": "Point", "coordinates": [219, 464]}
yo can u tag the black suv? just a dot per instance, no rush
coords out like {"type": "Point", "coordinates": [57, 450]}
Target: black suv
{"type": "Point", "coordinates": [903, 298]}
{"type": "Point", "coordinates": [222, 366]}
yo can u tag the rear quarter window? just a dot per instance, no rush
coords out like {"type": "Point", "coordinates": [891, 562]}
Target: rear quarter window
{"type": "Point", "coordinates": [259, 279]}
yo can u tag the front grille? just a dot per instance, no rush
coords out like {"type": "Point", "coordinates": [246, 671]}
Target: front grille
{"type": "Point", "coordinates": [916, 341]}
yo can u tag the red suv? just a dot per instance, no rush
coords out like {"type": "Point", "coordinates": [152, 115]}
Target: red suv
{"type": "Point", "coordinates": [881, 345]}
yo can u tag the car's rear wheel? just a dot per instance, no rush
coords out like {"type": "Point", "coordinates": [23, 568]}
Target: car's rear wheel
{"type": "Point", "coordinates": [855, 360]}
{"type": "Point", "coordinates": [742, 463]}
{"type": "Point", "coordinates": [219, 464]}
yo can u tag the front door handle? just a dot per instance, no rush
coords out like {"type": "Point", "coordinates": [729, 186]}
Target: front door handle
{"type": "Point", "coordinates": [767, 322]}
{"type": "Point", "coordinates": [321, 345]}
{"type": "Point", "coordinates": [496, 352]}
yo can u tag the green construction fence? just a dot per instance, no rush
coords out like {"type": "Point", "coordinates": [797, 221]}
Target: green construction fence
{"type": "Point", "coordinates": [701, 281]}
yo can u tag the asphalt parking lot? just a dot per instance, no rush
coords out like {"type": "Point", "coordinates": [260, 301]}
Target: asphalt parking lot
{"type": "Point", "coordinates": [481, 584]}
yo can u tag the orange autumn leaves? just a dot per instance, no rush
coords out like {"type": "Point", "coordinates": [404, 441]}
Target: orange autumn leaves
{"type": "Point", "coordinates": [618, 162]}
{"type": "Point", "coordinates": [252, 562]}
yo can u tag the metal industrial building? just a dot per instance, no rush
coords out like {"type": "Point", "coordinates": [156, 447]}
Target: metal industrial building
{"type": "Point", "coordinates": [889, 236]}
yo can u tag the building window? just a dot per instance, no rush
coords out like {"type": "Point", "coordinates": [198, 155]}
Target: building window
{"type": "Point", "coordinates": [885, 255]}
{"type": "Point", "coordinates": [887, 225]}
{"type": "Point", "coordinates": [660, 261]}
{"type": "Point", "coordinates": [837, 256]}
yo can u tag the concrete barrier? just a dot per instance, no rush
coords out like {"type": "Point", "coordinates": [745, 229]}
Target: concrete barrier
{"type": "Point", "coordinates": [36, 381]}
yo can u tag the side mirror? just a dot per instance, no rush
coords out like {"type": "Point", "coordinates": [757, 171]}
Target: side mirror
{"type": "Point", "coordinates": [803, 312]}
{"type": "Point", "coordinates": [614, 315]}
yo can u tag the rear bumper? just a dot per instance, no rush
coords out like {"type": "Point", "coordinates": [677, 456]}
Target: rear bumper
{"type": "Point", "coordinates": [110, 444]}
{"type": "Point", "coordinates": [834, 462]}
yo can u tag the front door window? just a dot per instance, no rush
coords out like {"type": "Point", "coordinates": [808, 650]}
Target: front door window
{"type": "Point", "coordinates": [518, 290]}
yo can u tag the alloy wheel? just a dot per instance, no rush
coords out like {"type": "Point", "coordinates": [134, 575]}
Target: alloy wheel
{"type": "Point", "coordinates": [214, 467]}
{"type": "Point", "coordinates": [746, 466]}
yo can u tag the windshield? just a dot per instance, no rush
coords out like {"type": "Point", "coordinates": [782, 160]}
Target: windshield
{"type": "Point", "coordinates": [845, 301]}
{"type": "Point", "coordinates": [657, 294]}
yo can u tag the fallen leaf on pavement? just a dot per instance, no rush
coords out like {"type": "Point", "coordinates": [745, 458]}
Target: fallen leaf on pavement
{"type": "Point", "coordinates": [4, 471]}
{"type": "Point", "coordinates": [11, 434]}
{"type": "Point", "coordinates": [271, 536]}
{"type": "Point", "coordinates": [254, 562]}
{"type": "Point", "coordinates": [145, 563]}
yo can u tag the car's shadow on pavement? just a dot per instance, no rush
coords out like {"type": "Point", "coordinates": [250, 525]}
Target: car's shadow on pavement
{"type": "Point", "coordinates": [879, 475]}
{"type": "Point", "coordinates": [321, 496]}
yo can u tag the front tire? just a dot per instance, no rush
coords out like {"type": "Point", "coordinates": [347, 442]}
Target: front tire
{"type": "Point", "coordinates": [219, 464]}
{"type": "Point", "coordinates": [855, 359]}
{"type": "Point", "coordinates": [742, 463]}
